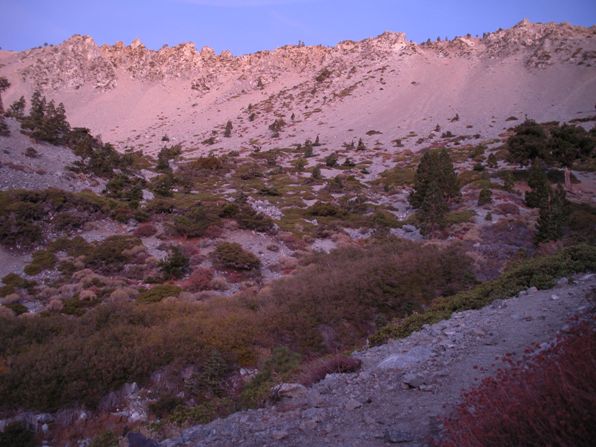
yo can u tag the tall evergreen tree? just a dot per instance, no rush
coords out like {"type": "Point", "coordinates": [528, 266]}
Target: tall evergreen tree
{"type": "Point", "coordinates": [4, 130]}
{"type": "Point", "coordinates": [553, 216]}
{"type": "Point", "coordinates": [538, 181]}
{"type": "Point", "coordinates": [435, 166]}
{"type": "Point", "coordinates": [529, 142]}
{"type": "Point", "coordinates": [433, 209]}
{"type": "Point", "coordinates": [435, 187]}
{"type": "Point", "coordinates": [17, 108]}
{"type": "Point", "coordinates": [228, 131]}
{"type": "Point", "coordinates": [4, 84]}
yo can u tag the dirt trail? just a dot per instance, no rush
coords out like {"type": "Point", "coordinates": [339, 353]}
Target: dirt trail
{"type": "Point", "coordinates": [405, 386]}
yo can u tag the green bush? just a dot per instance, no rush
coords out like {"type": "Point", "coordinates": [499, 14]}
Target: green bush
{"type": "Point", "coordinates": [17, 434]}
{"type": "Point", "coordinates": [12, 282]}
{"type": "Point", "coordinates": [158, 293]}
{"type": "Point", "coordinates": [485, 197]}
{"type": "Point", "coordinates": [108, 255]}
{"type": "Point", "coordinates": [539, 272]}
{"type": "Point", "coordinates": [194, 222]}
{"type": "Point", "coordinates": [175, 266]}
{"type": "Point", "coordinates": [105, 439]}
{"type": "Point", "coordinates": [323, 209]}
{"type": "Point", "coordinates": [230, 255]}
{"type": "Point", "coordinates": [41, 260]}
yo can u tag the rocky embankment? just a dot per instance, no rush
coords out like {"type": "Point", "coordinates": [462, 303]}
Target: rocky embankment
{"type": "Point", "coordinates": [406, 386]}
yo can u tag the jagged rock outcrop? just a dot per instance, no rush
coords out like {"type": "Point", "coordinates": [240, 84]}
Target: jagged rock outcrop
{"type": "Point", "coordinates": [79, 60]}
{"type": "Point", "coordinates": [134, 95]}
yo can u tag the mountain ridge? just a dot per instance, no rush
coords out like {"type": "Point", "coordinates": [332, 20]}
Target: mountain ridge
{"type": "Point", "coordinates": [135, 96]}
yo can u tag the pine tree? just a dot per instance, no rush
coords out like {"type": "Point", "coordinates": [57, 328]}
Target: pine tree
{"type": "Point", "coordinates": [435, 186]}
{"type": "Point", "coordinates": [485, 197]}
{"type": "Point", "coordinates": [491, 162]}
{"type": "Point", "coordinates": [36, 113]}
{"type": "Point", "coordinates": [361, 146]}
{"type": "Point", "coordinates": [4, 84]}
{"type": "Point", "coordinates": [553, 216]}
{"type": "Point", "coordinates": [508, 181]}
{"type": "Point", "coordinates": [17, 109]}
{"type": "Point", "coordinates": [435, 166]}
{"type": "Point", "coordinates": [308, 149]}
{"type": "Point", "coordinates": [538, 181]}
{"type": "Point", "coordinates": [529, 142]}
{"type": "Point", "coordinates": [228, 131]}
{"type": "Point", "coordinates": [4, 130]}
{"type": "Point", "coordinates": [433, 209]}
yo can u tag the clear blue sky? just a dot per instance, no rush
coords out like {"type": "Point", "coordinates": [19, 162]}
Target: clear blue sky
{"type": "Point", "coordinates": [244, 26]}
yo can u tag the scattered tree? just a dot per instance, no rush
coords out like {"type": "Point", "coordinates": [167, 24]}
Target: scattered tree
{"type": "Point", "coordinates": [4, 84]}
{"type": "Point", "coordinates": [228, 130]}
{"type": "Point", "coordinates": [17, 109]}
{"type": "Point", "coordinates": [485, 197]}
{"type": "Point", "coordinates": [435, 187]}
{"type": "Point", "coordinates": [361, 146]}
{"type": "Point", "coordinates": [538, 181]}
{"type": "Point", "coordinates": [492, 161]}
{"type": "Point", "coordinates": [175, 266]}
{"type": "Point", "coordinates": [553, 216]}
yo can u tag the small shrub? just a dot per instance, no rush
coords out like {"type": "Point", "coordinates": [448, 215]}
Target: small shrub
{"type": "Point", "coordinates": [316, 370]}
{"type": "Point", "coordinates": [158, 293]}
{"type": "Point", "coordinates": [323, 209]}
{"type": "Point", "coordinates": [331, 161]}
{"type": "Point", "coordinates": [230, 255]}
{"type": "Point", "coordinates": [165, 405]}
{"type": "Point", "coordinates": [108, 255]}
{"type": "Point", "coordinates": [175, 266]}
{"type": "Point", "coordinates": [485, 197]}
{"type": "Point", "coordinates": [194, 222]}
{"type": "Point", "coordinates": [199, 279]}
{"type": "Point", "coordinates": [17, 434]}
{"type": "Point", "coordinates": [458, 217]}
{"type": "Point", "coordinates": [105, 439]}
{"type": "Point", "coordinates": [145, 230]}
{"type": "Point", "coordinates": [31, 153]}
{"type": "Point", "coordinates": [17, 308]}
{"type": "Point", "coordinates": [41, 260]}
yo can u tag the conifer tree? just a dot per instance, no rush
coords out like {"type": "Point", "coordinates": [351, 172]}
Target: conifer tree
{"type": "Point", "coordinates": [553, 216]}
{"type": "Point", "coordinates": [433, 209]}
{"type": "Point", "coordinates": [228, 131]}
{"type": "Point", "coordinates": [435, 186]}
{"type": "Point", "coordinates": [17, 108]}
{"type": "Point", "coordinates": [538, 181]}
{"type": "Point", "coordinates": [4, 84]}
{"type": "Point", "coordinates": [528, 143]}
{"type": "Point", "coordinates": [4, 130]}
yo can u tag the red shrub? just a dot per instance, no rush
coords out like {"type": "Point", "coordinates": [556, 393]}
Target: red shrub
{"type": "Point", "coordinates": [508, 209]}
{"type": "Point", "coordinates": [145, 230]}
{"type": "Point", "coordinates": [316, 371]}
{"type": "Point", "coordinates": [200, 279]}
{"type": "Point", "coordinates": [548, 399]}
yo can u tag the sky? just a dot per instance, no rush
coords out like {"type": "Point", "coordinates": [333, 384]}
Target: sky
{"type": "Point", "coordinates": [245, 26]}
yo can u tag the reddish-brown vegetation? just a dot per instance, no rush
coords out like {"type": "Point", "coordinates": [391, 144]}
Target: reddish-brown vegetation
{"type": "Point", "coordinates": [547, 399]}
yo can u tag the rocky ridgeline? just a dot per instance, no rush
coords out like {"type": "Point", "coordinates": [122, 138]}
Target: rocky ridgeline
{"type": "Point", "coordinates": [406, 386]}
{"type": "Point", "coordinates": [79, 61]}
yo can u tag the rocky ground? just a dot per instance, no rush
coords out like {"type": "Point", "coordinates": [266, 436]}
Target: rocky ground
{"type": "Point", "coordinates": [406, 386]}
